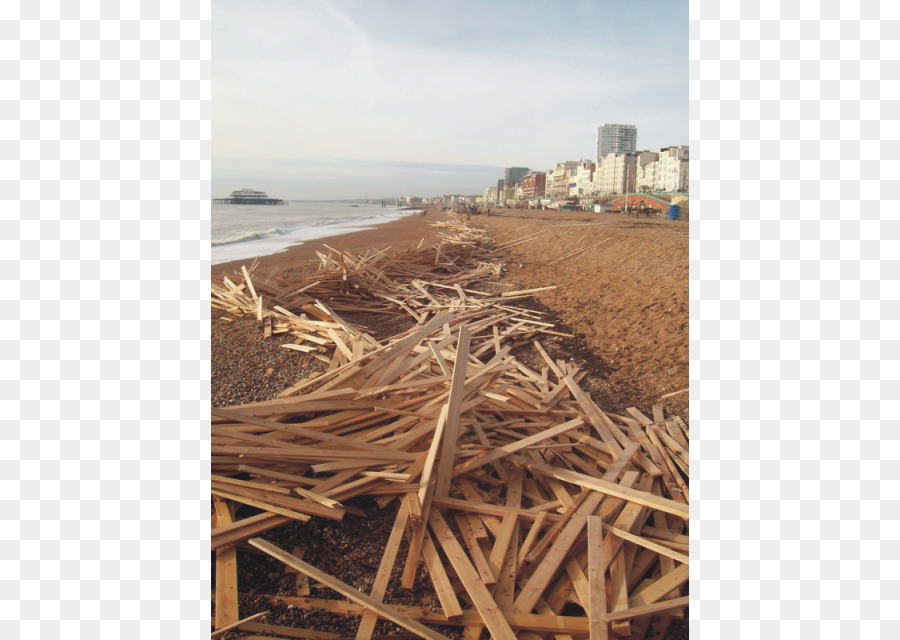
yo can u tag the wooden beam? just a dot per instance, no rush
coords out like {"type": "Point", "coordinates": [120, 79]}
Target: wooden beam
{"type": "Point", "coordinates": [237, 624]}
{"type": "Point", "coordinates": [379, 586]}
{"type": "Point", "coordinates": [346, 590]}
{"type": "Point", "coordinates": [658, 607]}
{"type": "Point", "coordinates": [597, 579]}
{"type": "Point", "coordinates": [451, 430]}
{"type": "Point", "coordinates": [440, 580]}
{"type": "Point", "coordinates": [226, 574]}
{"type": "Point", "coordinates": [513, 447]}
{"type": "Point", "coordinates": [641, 497]}
{"type": "Point", "coordinates": [484, 603]}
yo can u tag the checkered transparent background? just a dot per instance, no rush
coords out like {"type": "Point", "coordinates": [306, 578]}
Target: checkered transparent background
{"type": "Point", "coordinates": [794, 311]}
{"type": "Point", "coordinates": [104, 251]}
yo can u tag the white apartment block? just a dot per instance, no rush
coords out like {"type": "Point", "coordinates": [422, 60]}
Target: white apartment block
{"type": "Point", "coordinates": [616, 138]}
{"type": "Point", "coordinates": [558, 179]}
{"type": "Point", "coordinates": [673, 171]}
{"type": "Point", "coordinates": [617, 173]}
{"type": "Point", "coordinates": [584, 176]}
{"type": "Point", "coordinates": [490, 194]}
{"type": "Point", "coordinates": [645, 171]}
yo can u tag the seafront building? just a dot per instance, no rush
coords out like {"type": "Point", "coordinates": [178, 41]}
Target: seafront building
{"type": "Point", "coordinates": [584, 178]}
{"type": "Point", "coordinates": [619, 169]}
{"type": "Point", "coordinates": [560, 177]}
{"type": "Point", "coordinates": [514, 175]}
{"type": "Point", "coordinates": [534, 185]}
{"type": "Point", "coordinates": [617, 173]}
{"type": "Point", "coordinates": [645, 173]}
{"type": "Point", "coordinates": [616, 138]}
{"type": "Point", "coordinates": [672, 174]}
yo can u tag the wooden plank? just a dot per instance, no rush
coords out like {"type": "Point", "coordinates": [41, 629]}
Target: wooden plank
{"type": "Point", "coordinates": [451, 430]}
{"type": "Point", "coordinates": [510, 521]}
{"type": "Point", "coordinates": [504, 593]}
{"type": "Point", "coordinates": [675, 432]}
{"type": "Point", "coordinates": [432, 453]}
{"type": "Point", "coordinates": [594, 416]}
{"type": "Point", "coordinates": [529, 539]}
{"type": "Point", "coordinates": [246, 528]}
{"type": "Point", "coordinates": [324, 501]}
{"type": "Point", "coordinates": [655, 591]}
{"type": "Point", "coordinates": [647, 544]}
{"type": "Point", "coordinates": [475, 552]}
{"type": "Point", "coordinates": [302, 579]}
{"type": "Point", "coordinates": [302, 517]}
{"type": "Point", "coordinates": [440, 580]}
{"type": "Point", "coordinates": [249, 283]}
{"type": "Point", "coordinates": [511, 448]}
{"type": "Point", "coordinates": [237, 624]}
{"type": "Point", "coordinates": [540, 623]}
{"type": "Point", "coordinates": [416, 539]}
{"type": "Point", "coordinates": [346, 590]}
{"type": "Point", "coordinates": [558, 526]}
{"type": "Point", "coordinates": [555, 557]}
{"type": "Point", "coordinates": [552, 365]}
{"type": "Point", "coordinates": [285, 502]}
{"type": "Point", "coordinates": [596, 577]}
{"type": "Point", "coordinates": [641, 497]}
{"type": "Point", "coordinates": [379, 586]}
{"type": "Point", "coordinates": [522, 292]}
{"type": "Point", "coordinates": [484, 603]}
{"type": "Point", "coordinates": [618, 581]}
{"type": "Point", "coordinates": [285, 632]}
{"type": "Point", "coordinates": [226, 575]}
{"type": "Point", "coordinates": [488, 509]}
{"type": "Point", "coordinates": [658, 607]}
{"type": "Point", "coordinates": [679, 492]}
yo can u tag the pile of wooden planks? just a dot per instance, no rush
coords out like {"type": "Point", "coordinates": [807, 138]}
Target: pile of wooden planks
{"type": "Point", "coordinates": [536, 513]}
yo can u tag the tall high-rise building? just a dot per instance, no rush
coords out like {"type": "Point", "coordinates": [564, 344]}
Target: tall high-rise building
{"type": "Point", "coordinates": [616, 138]}
{"type": "Point", "coordinates": [514, 175]}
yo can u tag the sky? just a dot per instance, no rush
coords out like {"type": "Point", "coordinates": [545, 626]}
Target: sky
{"type": "Point", "coordinates": [343, 99]}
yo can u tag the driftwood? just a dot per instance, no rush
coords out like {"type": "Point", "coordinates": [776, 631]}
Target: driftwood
{"type": "Point", "coordinates": [517, 492]}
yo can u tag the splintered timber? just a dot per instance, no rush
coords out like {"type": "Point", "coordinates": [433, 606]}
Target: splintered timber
{"type": "Point", "coordinates": [514, 489]}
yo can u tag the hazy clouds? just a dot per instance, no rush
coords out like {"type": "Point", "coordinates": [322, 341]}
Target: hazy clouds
{"type": "Point", "coordinates": [322, 99]}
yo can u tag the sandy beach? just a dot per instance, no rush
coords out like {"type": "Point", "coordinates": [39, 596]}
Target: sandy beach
{"type": "Point", "coordinates": [625, 299]}
{"type": "Point", "coordinates": [621, 294]}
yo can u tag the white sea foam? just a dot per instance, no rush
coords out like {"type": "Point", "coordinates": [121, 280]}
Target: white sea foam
{"type": "Point", "coordinates": [242, 231]}
{"type": "Point", "coordinates": [250, 235]}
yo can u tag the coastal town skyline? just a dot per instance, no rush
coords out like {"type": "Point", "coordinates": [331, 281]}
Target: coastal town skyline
{"type": "Point", "coordinates": [330, 100]}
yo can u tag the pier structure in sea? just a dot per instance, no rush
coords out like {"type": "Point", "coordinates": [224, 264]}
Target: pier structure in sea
{"type": "Point", "coordinates": [248, 196]}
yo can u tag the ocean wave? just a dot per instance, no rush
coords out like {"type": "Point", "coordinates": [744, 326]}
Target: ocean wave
{"type": "Point", "coordinates": [250, 235]}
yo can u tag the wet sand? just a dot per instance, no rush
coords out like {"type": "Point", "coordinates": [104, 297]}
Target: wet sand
{"type": "Point", "coordinates": [398, 234]}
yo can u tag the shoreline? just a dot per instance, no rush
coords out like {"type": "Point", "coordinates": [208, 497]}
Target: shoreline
{"type": "Point", "coordinates": [400, 233]}
{"type": "Point", "coordinates": [622, 287]}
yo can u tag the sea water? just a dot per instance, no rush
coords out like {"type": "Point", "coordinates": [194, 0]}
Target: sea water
{"type": "Point", "coordinates": [247, 231]}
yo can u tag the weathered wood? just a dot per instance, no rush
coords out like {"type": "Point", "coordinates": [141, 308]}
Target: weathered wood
{"type": "Point", "coordinates": [506, 450]}
{"type": "Point", "coordinates": [237, 624]}
{"type": "Point", "coordinates": [346, 590]}
{"type": "Point", "coordinates": [440, 580]}
{"type": "Point", "coordinates": [226, 575]}
{"type": "Point", "coordinates": [443, 414]}
{"type": "Point", "coordinates": [493, 618]}
{"type": "Point", "coordinates": [608, 488]}
{"type": "Point", "coordinates": [596, 576]}
{"type": "Point", "coordinates": [379, 586]}
{"type": "Point", "coordinates": [451, 430]}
